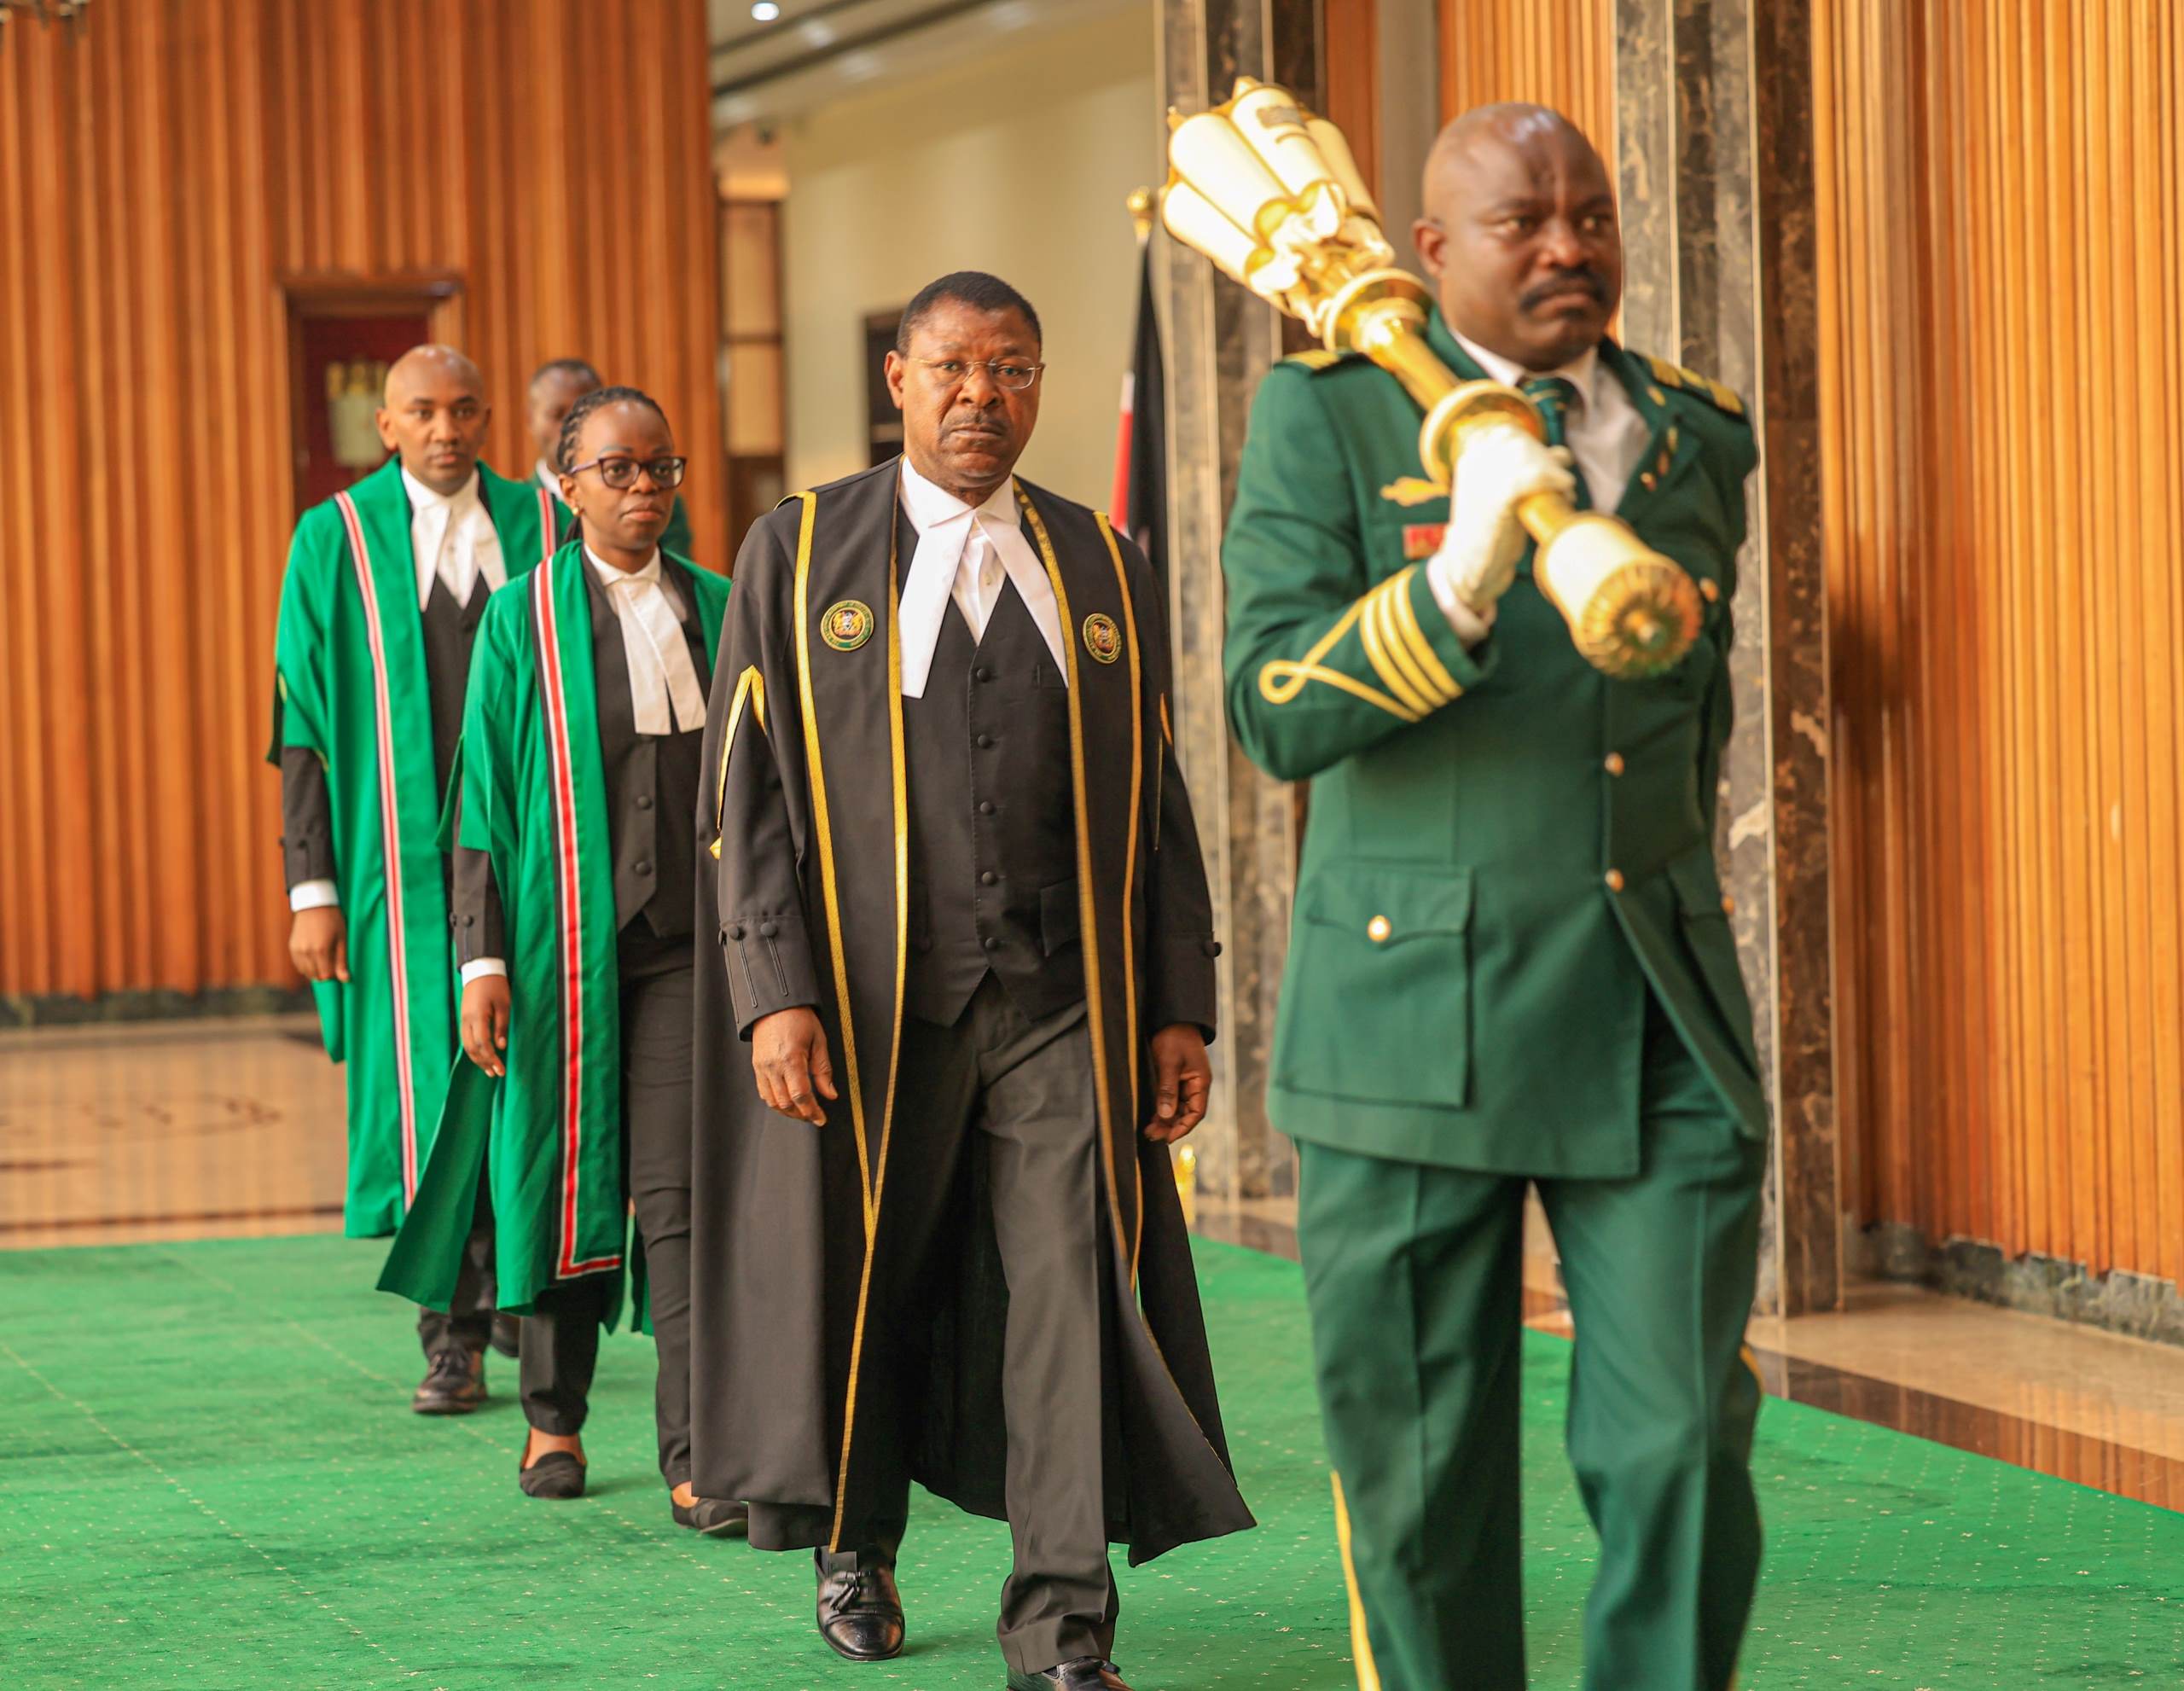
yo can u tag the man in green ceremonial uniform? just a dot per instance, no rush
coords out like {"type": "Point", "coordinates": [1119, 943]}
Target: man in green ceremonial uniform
{"type": "Point", "coordinates": [556, 387]}
{"type": "Point", "coordinates": [386, 585]}
{"type": "Point", "coordinates": [1511, 962]}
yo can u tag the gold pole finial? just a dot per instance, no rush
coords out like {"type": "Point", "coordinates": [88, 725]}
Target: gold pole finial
{"type": "Point", "coordinates": [1141, 202]}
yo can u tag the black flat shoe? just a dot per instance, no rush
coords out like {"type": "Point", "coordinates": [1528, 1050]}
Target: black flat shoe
{"type": "Point", "coordinates": [454, 1383]}
{"type": "Point", "coordinates": [507, 1330]}
{"type": "Point", "coordinates": [555, 1474]}
{"type": "Point", "coordinates": [713, 1517]}
{"type": "Point", "coordinates": [1080, 1673]}
{"type": "Point", "coordinates": [860, 1609]}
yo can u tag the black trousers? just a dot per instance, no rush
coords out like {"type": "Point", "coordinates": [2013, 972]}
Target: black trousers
{"type": "Point", "coordinates": [561, 1335]}
{"type": "Point", "coordinates": [468, 1321]}
{"type": "Point", "coordinates": [1020, 1094]}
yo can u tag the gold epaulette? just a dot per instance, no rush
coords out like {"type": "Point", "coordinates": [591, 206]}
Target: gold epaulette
{"type": "Point", "coordinates": [1700, 387]}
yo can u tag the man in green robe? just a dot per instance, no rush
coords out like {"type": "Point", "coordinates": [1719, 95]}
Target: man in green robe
{"type": "Point", "coordinates": [1511, 963]}
{"type": "Point", "coordinates": [386, 585]}
{"type": "Point", "coordinates": [555, 386]}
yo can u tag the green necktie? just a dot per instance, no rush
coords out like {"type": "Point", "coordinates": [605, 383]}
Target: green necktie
{"type": "Point", "coordinates": [1554, 395]}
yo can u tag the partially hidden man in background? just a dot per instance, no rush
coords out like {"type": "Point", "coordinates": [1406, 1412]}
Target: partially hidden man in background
{"type": "Point", "coordinates": [556, 387]}
{"type": "Point", "coordinates": [1511, 961]}
{"type": "Point", "coordinates": [574, 819]}
{"type": "Point", "coordinates": [966, 935]}
{"type": "Point", "coordinates": [386, 585]}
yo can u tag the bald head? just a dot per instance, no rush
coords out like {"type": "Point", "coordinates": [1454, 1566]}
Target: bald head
{"type": "Point", "coordinates": [1519, 231]}
{"type": "Point", "coordinates": [434, 414]}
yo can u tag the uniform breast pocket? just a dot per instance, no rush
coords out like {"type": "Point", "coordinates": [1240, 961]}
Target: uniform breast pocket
{"type": "Point", "coordinates": [1377, 1003]}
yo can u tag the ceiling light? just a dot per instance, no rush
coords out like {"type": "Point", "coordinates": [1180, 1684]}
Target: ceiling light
{"type": "Point", "coordinates": [765, 11]}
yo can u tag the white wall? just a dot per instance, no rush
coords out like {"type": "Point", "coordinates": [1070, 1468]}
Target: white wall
{"type": "Point", "coordinates": [1019, 163]}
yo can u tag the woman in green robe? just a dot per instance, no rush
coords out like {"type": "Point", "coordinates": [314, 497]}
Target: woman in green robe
{"type": "Point", "coordinates": [575, 819]}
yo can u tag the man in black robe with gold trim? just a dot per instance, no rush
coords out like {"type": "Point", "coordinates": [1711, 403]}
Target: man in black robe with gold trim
{"type": "Point", "coordinates": [965, 929]}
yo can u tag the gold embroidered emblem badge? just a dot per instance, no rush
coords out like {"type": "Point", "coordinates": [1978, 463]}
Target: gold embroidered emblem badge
{"type": "Point", "coordinates": [846, 624]}
{"type": "Point", "coordinates": [1102, 639]}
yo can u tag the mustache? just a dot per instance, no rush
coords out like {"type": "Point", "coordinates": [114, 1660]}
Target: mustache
{"type": "Point", "coordinates": [1561, 282]}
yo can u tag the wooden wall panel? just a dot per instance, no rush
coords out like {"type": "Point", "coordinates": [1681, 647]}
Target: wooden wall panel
{"type": "Point", "coordinates": [163, 174]}
{"type": "Point", "coordinates": [1559, 53]}
{"type": "Point", "coordinates": [2003, 405]}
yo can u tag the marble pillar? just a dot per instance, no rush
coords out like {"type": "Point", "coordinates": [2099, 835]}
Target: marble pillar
{"type": "Point", "coordinates": [1219, 342]}
{"type": "Point", "coordinates": [1714, 158]}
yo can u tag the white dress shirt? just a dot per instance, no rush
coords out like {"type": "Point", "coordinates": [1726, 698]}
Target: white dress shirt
{"type": "Point", "coordinates": [665, 696]}
{"type": "Point", "coordinates": [1605, 432]}
{"type": "Point", "coordinates": [966, 556]}
{"type": "Point", "coordinates": [452, 539]}
{"type": "Point", "coordinates": [548, 477]}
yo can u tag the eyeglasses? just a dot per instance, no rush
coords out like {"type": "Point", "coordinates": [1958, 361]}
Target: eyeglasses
{"type": "Point", "coordinates": [619, 473]}
{"type": "Point", "coordinates": [1006, 373]}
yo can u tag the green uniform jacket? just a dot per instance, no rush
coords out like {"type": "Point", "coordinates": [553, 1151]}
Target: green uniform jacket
{"type": "Point", "coordinates": [1505, 848]}
{"type": "Point", "coordinates": [349, 683]}
{"type": "Point", "coordinates": [533, 796]}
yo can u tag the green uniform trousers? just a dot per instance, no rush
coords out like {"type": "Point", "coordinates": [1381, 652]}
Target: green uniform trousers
{"type": "Point", "coordinates": [1414, 1273]}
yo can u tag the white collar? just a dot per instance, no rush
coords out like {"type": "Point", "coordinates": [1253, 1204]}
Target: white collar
{"type": "Point", "coordinates": [1580, 372]}
{"type": "Point", "coordinates": [610, 575]}
{"type": "Point", "coordinates": [422, 498]}
{"type": "Point", "coordinates": [932, 506]}
{"type": "Point", "coordinates": [547, 478]}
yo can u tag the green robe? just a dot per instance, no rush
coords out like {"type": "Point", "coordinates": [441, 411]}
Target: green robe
{"type": "Point", "coordinates": [533, 797]}
{"type": "Point", "coordinates": [350, 684]}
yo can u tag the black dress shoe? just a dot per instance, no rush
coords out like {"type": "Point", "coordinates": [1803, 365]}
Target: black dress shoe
{"type": "Point", "coordinates": [506, 1330]}
{"type": "Point", "coordinates": [714, 1517]}
{"type": "Point", "coordinates": [454, 1383]}
{"type": "Point", "coordinates": [555, 1474]}
{"type": "Point", "coordinates": [860, 1611]}
{"type": "Point", "coordinates": [1079, 1673]}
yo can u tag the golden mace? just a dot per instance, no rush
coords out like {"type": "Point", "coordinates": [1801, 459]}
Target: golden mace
{"type": "Point", "coordinates": [1271, 192]}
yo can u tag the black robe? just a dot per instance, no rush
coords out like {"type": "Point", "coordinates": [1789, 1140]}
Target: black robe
{"type": "Point", "coordinates": [804, 887]}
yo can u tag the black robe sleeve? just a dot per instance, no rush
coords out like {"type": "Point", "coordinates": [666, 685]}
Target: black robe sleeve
{"type": "Point", "coordinates": [1180, 945]}
{"type": "Point", "coordinates": [475, 908]}
{"type": "Point", "coordinates": [764, 937]}
{"type": "Point", "coordinates": [306, 818]}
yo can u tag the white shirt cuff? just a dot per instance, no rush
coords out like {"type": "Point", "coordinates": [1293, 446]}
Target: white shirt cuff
{"type": "Point", "coordinates": [1471, 626]}
{"type": "Point", "coordinates": [314, 895]}
{"type": "Point", "coordinates": [478, 968]}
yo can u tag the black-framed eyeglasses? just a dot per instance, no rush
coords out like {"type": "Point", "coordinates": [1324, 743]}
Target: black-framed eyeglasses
{"type": "Point", "coordinates": [1013, 374]}
{"type": "Point", "coordinates": [621, 473]}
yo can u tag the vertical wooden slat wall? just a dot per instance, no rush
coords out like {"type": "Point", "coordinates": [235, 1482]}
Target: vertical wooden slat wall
{"type": "Point", "coordinates": [1559, 52]}
{"type": "Point", "coordinates": [162, 173]}
{"type": "Point", "coordinates": [2004, 403]}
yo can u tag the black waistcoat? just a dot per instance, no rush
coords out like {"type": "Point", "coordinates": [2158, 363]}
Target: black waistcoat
{"type": "Point", "coordinates": [993, 820]}
{"type": "Point", "coordinates": [652, 779]}
{"type": "Point", "coordinates": [451, 629]}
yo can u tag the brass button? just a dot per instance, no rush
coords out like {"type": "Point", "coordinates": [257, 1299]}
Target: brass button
{"type": "Point", "coordinates": [1614, 763]}
{"type": "Point", "coordinates": [1378, 930]}
{"type": "Point", "coordinates": [1656, 396]}
{"type": "Point", "coordinates": [1709, 590]}
{"type": "Point", "coordinates": [1615, 881]}
{"type": "Point", "coordinates": [1728, 905]}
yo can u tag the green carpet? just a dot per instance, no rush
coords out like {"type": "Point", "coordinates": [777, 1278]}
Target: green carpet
{"type": "Point", "coordinates": [210, 1479]}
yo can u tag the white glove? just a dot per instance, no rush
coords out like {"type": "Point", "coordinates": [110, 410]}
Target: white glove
{"type": "Point", "coordinates": [1478, 557]}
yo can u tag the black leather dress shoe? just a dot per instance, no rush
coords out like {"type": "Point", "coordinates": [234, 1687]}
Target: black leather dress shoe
{"type": "Point", "coordinates": [1080, 1673]}
{"type": "Point", "coordinates": [860, 1611]}
{"type": "Point", "coordinates": [506, 1331]}
{"type": "Point", "coordinates": [555, 1474]}
{"type": "Point", "coordinates": [713, 1517]}
{"type": "Point", "coordinates": [454, 1383]}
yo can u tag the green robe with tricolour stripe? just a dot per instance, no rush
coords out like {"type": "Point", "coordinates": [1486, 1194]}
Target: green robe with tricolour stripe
{"type": "Point", "coordinates": [533, 797]}
{"type": "Point", "coordinates": [350, 685]}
